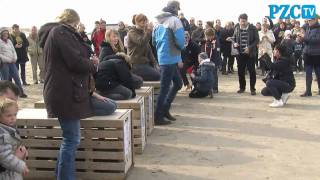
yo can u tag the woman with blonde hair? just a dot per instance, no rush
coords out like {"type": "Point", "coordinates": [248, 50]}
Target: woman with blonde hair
{"type": "Point", "coordinates": [143, 61]}
{"type": "Point", "coordinates": [112, 47]}
{"type": "Point", "coordinates": [66, 88]}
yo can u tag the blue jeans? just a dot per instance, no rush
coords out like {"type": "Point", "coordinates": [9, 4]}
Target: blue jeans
{"type": "Point", "coordinates": [103, 108]}
{"type": "Point", "coordinates": [309, 69]}
{"type": "Point", "coordinates": [71, 139]}
{"type": "Point", "coordinates": [169, 73]}
{"type": "Point", "coordinates": [8, 71]}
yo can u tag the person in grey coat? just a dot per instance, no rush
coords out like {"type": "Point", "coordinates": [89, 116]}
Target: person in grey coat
{"type": "Point", "coordinates": [12, 154]}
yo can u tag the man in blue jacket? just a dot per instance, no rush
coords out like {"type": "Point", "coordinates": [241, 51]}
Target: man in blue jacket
{"type": "Point", "coordinates": [168, 38]}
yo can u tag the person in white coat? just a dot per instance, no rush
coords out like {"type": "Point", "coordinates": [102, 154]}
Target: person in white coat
{"type": "Point", "coordinates": [267, 39]}
{"type": "Point", "coordinates": [8, 58]}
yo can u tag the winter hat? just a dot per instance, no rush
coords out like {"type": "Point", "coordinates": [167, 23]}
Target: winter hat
{"type": "Point", "coordinates": [287, 32]}
{"type": "Point", "coordinates": [2, 29]}
{"type": "Point", "coordinates": [203, 56]}
{"type": "Point", "coordinates": [173, 4]}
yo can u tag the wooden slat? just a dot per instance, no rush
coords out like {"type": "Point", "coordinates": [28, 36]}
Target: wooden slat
{"type": "Point", "coordinates": [131, 103]}
{"type": "Point", "coordinates": [50, 175]}
{"type": "Point", "coordinates": [103, 155]}
{"type": "Point", "coordinates": [155, 84]}
{"type": "Point", "coordinates": [87, 165]}
{"type": "Point", "coordinates": [43, 143]}
{"type": "Point", "coordinates": [58, 133]}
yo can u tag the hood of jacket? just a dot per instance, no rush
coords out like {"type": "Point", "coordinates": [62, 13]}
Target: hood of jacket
{"type": "Point", "coordinates": [163, 17]}
{"type": "Point", "coordinates": [44, 32]}
{"type": "Point", "coordinates": [207, 63]}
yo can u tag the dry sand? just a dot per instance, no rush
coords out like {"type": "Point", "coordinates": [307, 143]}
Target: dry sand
{"type": "Point", "coordinates": [230, 137]}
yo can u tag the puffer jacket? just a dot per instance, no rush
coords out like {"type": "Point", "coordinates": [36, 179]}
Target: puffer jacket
{"type": "Point", "coordinates": [9, 142]}
{"type": "Point", "coordinates": [168, 38]}
{"type": "Point", "coordinates": [312, 40]}
{"type": "Point", "coordinates": [7, 52]}
{"type": "Point", "coordinates": [204, 76]}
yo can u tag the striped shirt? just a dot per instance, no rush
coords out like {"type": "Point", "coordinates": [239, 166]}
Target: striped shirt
{"type": "Point", "coordinates": [244, 36]}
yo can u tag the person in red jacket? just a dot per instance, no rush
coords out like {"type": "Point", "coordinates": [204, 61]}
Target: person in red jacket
{"type": "Point", "coordinates": [98, 37]}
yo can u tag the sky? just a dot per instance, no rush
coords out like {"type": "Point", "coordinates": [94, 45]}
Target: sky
{"type": "Point", "coordinates": [27, 13]}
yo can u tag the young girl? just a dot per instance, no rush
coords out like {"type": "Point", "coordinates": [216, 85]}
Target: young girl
{"type": "Point", "coordinates": [12, 153]}
{"type": "Point", "coordinates": [203, 78]}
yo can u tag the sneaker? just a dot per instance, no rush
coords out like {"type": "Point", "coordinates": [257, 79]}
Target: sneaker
{"type": "Point", "coordinates": [276, 103]}
{"type": "Point", "coordinates": [306, 94]}
{"type": "Point", "coordinates": [23, 96]}
{"type": "Point", "coordinates": [285, 97]}
{"type": "Point", "coordinates": [253, 92]}
{"type": "Point", "coordinates": [169, 116]}
{"type": "Point", "coordinates": [36, 82]}
{"type": "Point", "coordinates": [240, 91]}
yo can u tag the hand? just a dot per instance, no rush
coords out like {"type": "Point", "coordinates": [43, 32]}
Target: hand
{"type": "Point", "coordinates": [21, 153]}
{"type": "Point", "coordinates": [192, 75]}
{"type": "Point", "coordinates": [25, 171]}
{"type": "Point", "coordinates": [99, 97]}
{"type": "Point", "coordinates": [246, 50]}
{"type": "Point", "coordinates": [95, 60]}
{"type": "Point", "coordinates": [236, 45]}
{"type": "Point", "coordinates": [180, 64]}
{"type": "Point", "coordinates": [229, 39]}
{"type": "Point", "coordinates": [18, 45]}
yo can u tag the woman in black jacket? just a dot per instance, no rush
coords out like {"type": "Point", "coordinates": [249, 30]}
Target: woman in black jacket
{"type": "Point", "coordinates": [281, 80]}
{"type": "Point", "coordinates": [189, 57]}
{"type": "Point", "coordinates": [114, 79]}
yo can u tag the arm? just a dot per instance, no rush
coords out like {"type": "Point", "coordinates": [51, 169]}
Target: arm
{"type": "Point", "coordinates": [25, 43]}
{"type": "Point", "coordinates": [271, 37]}
{"type": "Point", "coordinates": [71, 53]}
{"type": "Point", "coordinates": [124, 75]}
{"type": "Point", "coordinates": [278, 65]}
{"type": "Point", "coordinates": [255, 41]}
{"type": "Point", "coordinates": [178, 33]}
{"type": "Point", "coordinates": [8, 159]}
{"type": "Point", "coordinates": [137, 40]}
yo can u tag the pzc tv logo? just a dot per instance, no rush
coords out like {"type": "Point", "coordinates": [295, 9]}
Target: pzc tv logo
{"type": "Point", "coordinates": [292, 12]}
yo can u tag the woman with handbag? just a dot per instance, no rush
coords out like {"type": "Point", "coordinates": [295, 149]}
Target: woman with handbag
{"type": "Point", "coordinates": [280, 81]}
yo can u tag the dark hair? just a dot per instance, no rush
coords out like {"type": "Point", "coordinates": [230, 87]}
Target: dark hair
{"type": "Point", "coordinates": [5, 85]}
{"type": "Point", "coordinates": [97, 22]}
{"type": "Point", "coordinates": [283, 50]}
{"type": "Point", "coordinates": [15, 26]}
{"type": "Point", "coordinates": [134, 19]}
{"type": "Point", "coordinates": [243, 16]}
{"type": "Point", "coordinates": [210, 24]}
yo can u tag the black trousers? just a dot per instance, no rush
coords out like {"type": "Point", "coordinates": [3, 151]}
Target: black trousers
{"type": "Point", "coordinates": [275, 88]}
{"type": "Point", "coordinates": [22, 72]}
{"type": "Point", "coordinates": [227, 60]}
{"type": "Point", "coordinates": [245, 62]}
{"type": "Point", "coordinates": [198, 94]}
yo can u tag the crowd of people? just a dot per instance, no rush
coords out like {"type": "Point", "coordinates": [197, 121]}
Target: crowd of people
{"type": "Point", "coordinates": [84, 76]}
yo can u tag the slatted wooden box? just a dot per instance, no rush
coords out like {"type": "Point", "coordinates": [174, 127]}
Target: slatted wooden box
{"type": "Point", "coordinates": [138, 121]}
{"type": "Point", "coordinates": [154, 84]}
{"type": "Point", "coordinates": [105, 151]}
{"type": "Point", "coordinates": [147, 93]}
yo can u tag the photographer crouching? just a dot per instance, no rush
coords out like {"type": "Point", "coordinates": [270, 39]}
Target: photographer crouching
{"type": "Point", "coordinates": [280, 79]}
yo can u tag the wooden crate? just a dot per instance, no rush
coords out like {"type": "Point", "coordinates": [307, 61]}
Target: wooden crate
{"type": "Point", "coordinates": [138, 121]}
{"type": "Point", "coordinates": [39, 105]}
{"type": "Point", "coordinates": [105, 151]}
{"type": "Point", "coordinates": [147, 93]}
{"type": "Point", "coordinates": [154, 84]}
